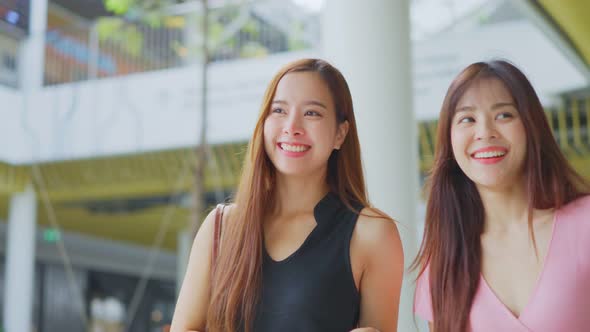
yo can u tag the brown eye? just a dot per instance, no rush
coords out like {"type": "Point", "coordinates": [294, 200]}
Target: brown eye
{"type": "Point", "coordinates": [504, 115]}
{"type": "Point", "coordinates": [466, 119]}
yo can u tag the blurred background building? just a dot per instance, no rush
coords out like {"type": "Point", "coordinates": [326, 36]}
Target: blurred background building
{"type": "Point", "coordinates": [102, 110]}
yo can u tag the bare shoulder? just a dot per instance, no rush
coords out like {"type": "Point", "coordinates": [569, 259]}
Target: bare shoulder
{"type": "Point", "coordinates": [376, 237]}
{"type": "Point", "coordinates": [375, 227]}
{"type": "Point", "coordinates": [228, 209]}
{"type": "Point", "coordinates": [377, 262]}
{"type": "Point", "coordinates": [207, 227]}
{"type": "Point", "coordinates": [193, 300]}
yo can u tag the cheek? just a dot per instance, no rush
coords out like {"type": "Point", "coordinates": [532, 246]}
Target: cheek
{"type": "Point", "coordinates": [457, 143]}
{"type": "Point", "coordinates": [329, 135]}
{"type": "Point", "coordinates": [267, 130]}
{"type": "Point", "coordinates": [522, 145]}
{"type": "Point", "coordinates": [267, 137]}
{"type": "Point", "coordinates": [521, 132]}
{"type": "Point", "coordinates": [518, 138]}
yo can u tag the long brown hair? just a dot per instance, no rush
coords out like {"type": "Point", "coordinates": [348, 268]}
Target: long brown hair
{"type": "Point", "coordinates": [451, 244]}
{"type": "Point", "coordinates": [237, 274]}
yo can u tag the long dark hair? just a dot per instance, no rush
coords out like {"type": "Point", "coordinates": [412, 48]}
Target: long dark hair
{"type": "Point", "coordinates": [237, 274]}
{"type": "Point", "coordinates": [451, 244]}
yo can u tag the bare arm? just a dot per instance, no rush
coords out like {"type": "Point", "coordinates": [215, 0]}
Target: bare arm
{"type": "Point", "coordinates": [377, 246]}
{"type": "Point", "coordinates": [193, 301]}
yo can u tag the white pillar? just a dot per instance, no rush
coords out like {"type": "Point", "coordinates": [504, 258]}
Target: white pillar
{"type": "Point", "coordinates": [20, 261]}
{"type": "Point", "coordinates": [32, 50]}
{"type": "Point", "coordinates": [369, 41]}
{"type": "Point", "coordinates": [22, 222]}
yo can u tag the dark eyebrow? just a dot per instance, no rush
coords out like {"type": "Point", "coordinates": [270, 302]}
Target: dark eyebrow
{"type": "Point", "coordinates": [316, 103]}
{"type": "Point", "coordinates": [309, 102]}
{"type": "Point", "coordinates": [502, 104]}
{"type": "Point", "coordinates": [464, 109]}
{"type": "Point", "coordinates": [494, 107]}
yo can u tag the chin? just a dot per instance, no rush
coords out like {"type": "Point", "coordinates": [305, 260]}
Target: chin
{"type": "Point", "coordinates": [292, 170]}
{"type": "Point", "coordinates": [494, 183]}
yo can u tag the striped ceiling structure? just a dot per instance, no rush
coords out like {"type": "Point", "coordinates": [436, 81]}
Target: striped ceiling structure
{"type": "Point", "coordinates": [123, 198]}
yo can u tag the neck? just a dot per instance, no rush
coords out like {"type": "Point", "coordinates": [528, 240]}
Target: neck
{"type": "Point", "coordinates": [296, 194]}
{"type": "Point", "coordinates": [505, 208]}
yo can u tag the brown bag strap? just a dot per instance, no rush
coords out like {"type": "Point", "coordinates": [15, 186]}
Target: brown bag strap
{"type": "Point", "coordinates": [217, 233]}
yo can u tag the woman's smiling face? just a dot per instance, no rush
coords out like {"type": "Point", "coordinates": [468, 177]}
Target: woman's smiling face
{"type": "Point", "coordinates": [488, 136]}
{"type": "Point", "coordinates": [301, 129]}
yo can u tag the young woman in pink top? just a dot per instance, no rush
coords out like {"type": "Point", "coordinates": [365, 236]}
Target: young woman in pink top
{"type": "Point", "coordinates": [507, 238]}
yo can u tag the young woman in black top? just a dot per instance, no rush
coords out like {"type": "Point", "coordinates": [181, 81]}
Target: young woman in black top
{"type": "Point", "coordinates": [301, 249]}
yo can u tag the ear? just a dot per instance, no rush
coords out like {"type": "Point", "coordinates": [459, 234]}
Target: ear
{"type": "Point", "coordinates": [341, 133]}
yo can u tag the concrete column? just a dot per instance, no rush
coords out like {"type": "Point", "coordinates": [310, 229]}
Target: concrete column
{"type": "Point", "coordinates": [22, 219]}
{"type": "Point", "coordinates": [20, 262]}
{"type": "Point", "coordinates": [32, 50]}
{"type": "Point", "coordinates": [369, 41]}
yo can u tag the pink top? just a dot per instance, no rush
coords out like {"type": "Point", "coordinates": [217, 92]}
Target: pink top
{"type": "Point", "coordinates": [561, 299]}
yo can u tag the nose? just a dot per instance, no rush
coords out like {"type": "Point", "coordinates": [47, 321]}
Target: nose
{"type": "Point", "coordinates": [293, 125]}
{"type": "Point", "coordinates": [485, 130]}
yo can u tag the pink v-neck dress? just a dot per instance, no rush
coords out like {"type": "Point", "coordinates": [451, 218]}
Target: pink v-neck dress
{"type": "Point", "coordinates": [560, 301]}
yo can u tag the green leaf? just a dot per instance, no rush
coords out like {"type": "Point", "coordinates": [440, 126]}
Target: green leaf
{"type": "Point", "coordinates": [118, 7]}
{"type": "Point", "coordinates": [108, 27]}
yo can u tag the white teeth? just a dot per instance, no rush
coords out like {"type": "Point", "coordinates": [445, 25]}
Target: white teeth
{"type": "Point", "coordinates": [294, 148]}
{"type": "Point", "coordinates": [489, 154]}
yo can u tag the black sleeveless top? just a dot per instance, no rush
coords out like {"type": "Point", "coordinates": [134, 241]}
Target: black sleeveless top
{"type": "Point", "coordinates": [313, 289]}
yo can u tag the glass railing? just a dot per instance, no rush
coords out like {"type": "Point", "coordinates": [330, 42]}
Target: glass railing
{"type": "Point", "coordinates": [114, 46]}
